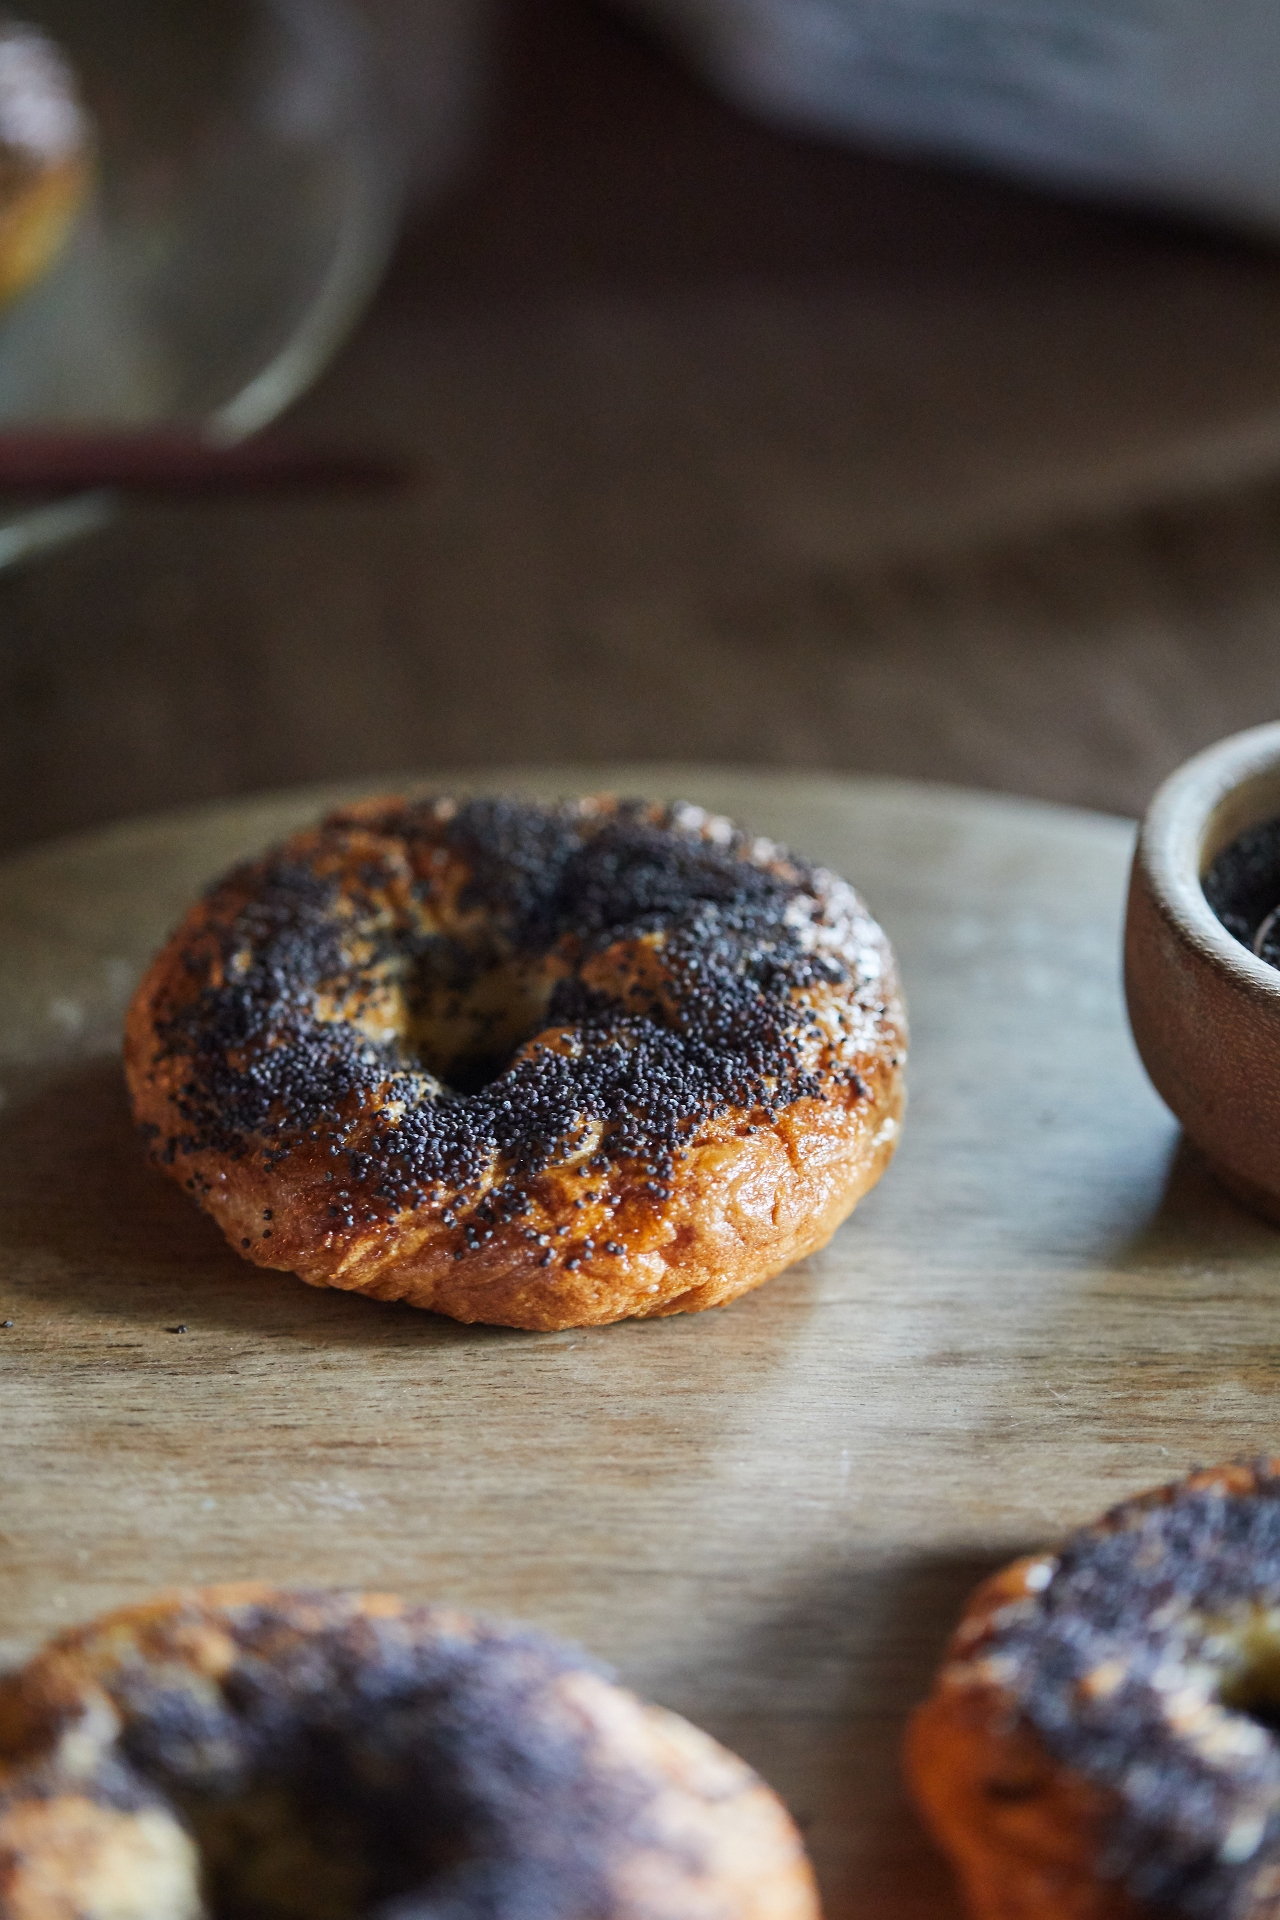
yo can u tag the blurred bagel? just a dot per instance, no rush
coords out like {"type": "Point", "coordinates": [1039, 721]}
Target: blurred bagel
{"type": "Point", "coordinates": [1103, 1740]}
{"type": "Point", "coordinates": [329, 1756]}
{"type": "Point", "coordinates": [45, 167]}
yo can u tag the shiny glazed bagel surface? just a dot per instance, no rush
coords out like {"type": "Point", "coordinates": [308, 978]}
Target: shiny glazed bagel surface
{"type": "Point", "coordinates": [538, 1066]}
{"type": "Point", "coordinates": [245, 1754]}
{"type": "Point", "coordinates": [1103, 1741]}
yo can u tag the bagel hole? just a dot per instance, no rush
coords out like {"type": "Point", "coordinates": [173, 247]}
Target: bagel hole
{"type": "Point", "coordinates": [325, 1844]}
{"type": "Point", "coordinates": [1252, 1685]}
{"type": "Point", "coordinates": [1257, 1696]}
{"type": "Point", "coordinates": [470, 1013]}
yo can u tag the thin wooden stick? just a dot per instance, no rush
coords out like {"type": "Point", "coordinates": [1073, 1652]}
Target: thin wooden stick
{"type": "Point", "coordinates": [167, 463]}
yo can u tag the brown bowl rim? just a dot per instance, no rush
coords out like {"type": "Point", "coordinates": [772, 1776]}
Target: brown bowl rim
{"type": "Point", "coordinates": [1177, 841]}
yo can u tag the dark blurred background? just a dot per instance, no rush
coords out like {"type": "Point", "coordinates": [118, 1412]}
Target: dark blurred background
{"type": "Point", "coordinates": [738, 448]}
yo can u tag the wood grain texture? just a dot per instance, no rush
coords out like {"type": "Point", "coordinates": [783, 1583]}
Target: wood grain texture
{"type": "Point", "coordinates": [769, 1516]}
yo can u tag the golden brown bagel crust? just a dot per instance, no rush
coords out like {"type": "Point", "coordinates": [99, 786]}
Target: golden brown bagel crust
{"type": "Point", "coordinates": [684, 1051]}
{"type": "Point", "coordinates": [322, 1756]}
{"type": "Point", "coordinates": [1100, 1743]}
{"type": "Point", "coordinates": [1022, 1832]}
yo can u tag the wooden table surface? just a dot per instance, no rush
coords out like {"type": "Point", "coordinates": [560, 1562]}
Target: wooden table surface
{"type": "Point", "coordinates": [739, 449]}
{"type": "Point", "coordinates": [766, 1516]}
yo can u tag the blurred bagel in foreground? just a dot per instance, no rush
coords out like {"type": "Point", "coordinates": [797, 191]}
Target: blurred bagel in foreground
{"type": "Point", "coordinates": [1103, 1740]}
{"type": "Point", "coordinates": [329, 1756]}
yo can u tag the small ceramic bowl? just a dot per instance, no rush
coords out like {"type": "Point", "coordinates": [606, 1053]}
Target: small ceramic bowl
{"type": "Point", "coordinates": [1205, 1012]}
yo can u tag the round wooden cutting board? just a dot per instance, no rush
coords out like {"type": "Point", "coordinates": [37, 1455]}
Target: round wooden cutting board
{"type": "Point", "coordinates": [768, 1516]}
